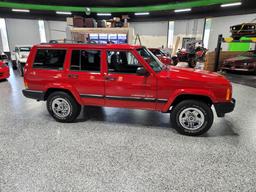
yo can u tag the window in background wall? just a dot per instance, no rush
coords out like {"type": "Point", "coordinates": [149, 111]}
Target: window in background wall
{"type": "Point", "coordinates": [42, 31]}
{"type": "Point", "coordinates": [207, 30]}
{"type": "Point", "coordinates": [4, 35]}
{"type": "Point", "coordinates": [170, 34]}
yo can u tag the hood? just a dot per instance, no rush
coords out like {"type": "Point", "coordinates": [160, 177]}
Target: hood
{"type": "Point", "coordinates": [23, 60]}
{"type": "Point", "coordinates": [240, 59]}
{"type": "Point", "coordinates": [200, 76]}
{"type": "Point", "coordinates": [25, 54]}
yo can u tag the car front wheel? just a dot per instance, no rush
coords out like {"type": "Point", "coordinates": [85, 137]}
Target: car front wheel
{"type": "Point", "coordinates": [192, 117]}
{"type": "Point", "coordinates": [63, 107]}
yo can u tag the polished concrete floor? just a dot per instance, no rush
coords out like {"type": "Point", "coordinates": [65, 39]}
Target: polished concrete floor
{"type": "Point", "coordinates": [110, 150]}
{"type": "Point", "coordinates": [242, 78]}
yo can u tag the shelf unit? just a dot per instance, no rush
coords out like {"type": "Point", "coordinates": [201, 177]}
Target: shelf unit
{"type": "Point", "coordinates": [227, 40]}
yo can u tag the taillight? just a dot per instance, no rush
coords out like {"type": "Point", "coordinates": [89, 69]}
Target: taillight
{"type": "Point", "coordinates": [25, 84]}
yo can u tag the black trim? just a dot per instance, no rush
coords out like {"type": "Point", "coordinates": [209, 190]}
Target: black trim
{"type": "Point", "coordinates": [92, 96]}
{"type": "Point", "coordinates": [141, 99]}
{"type": "Point", "coordinates": [131, 98]}
{"type": "Point", "coordinates": [32, 94]}
{"type": "Point", "coordinates": [223, 108]}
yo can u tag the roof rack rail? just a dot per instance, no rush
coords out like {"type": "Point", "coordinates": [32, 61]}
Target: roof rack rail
{"type": "Point", "coordinates": [68, 41]}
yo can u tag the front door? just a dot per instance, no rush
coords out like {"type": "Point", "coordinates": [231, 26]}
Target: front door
{"type": "Point", "coordinates": [123, 87]}
{"type": "Point", "coordinates": [86, 75]}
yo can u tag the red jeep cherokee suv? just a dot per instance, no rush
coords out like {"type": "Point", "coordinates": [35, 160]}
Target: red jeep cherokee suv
{"type": "Point", "coordinates": [68, 76]}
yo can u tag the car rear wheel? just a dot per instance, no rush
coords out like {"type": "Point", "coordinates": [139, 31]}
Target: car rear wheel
{"type": "Point", "coordinates": [192, 117]}
{"type": "Point", "coordinates": [63, 107]}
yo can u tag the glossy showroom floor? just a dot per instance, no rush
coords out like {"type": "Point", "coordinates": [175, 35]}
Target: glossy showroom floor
{"type": "Point", "coordinates": [122, 150]}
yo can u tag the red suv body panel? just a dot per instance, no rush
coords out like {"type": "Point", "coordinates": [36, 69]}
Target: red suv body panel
{"type": "Point", "coordinates": [156, 91]}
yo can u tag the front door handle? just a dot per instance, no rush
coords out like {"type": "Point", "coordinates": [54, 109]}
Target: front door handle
{"type": "Point", "coordinates": [109, 78]}
{"type": "Point", "coordinates": [74, 76]}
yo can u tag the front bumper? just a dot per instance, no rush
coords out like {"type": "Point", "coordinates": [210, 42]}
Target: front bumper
{"type": "Point", "coordinates": [32, 94]}
{"type": "Point", "coordinates": [225, 107]}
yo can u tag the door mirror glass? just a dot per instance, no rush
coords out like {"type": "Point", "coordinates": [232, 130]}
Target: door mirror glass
{"type": "Point", "coordinates": [142, 72]}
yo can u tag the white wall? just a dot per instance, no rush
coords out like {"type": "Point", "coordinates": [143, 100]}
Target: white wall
{"type": "Point", "coordinates": [188, 28]}
{"type": "Point", "coordinates": [152, 34]}
{"type": "Point", "coordinates": [55, 30]}
{"type": "Point", "coordinates": [22, 32]}
{"type": "Point", "coordinates": [221, 25]}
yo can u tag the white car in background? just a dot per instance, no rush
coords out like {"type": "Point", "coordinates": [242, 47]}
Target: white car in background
{"type": "Point", "coordinates": [19, 57]}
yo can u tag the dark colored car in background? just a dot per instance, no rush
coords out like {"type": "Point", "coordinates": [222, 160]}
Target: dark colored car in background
{"type": "Point", "coordinates": [164, 58]}
{"type": "Point", "coordinates": [243, 30]}
{"type": "Point", "coordinates": [245, 62]}
{"type": "Point", "coordinates": [4, 58]}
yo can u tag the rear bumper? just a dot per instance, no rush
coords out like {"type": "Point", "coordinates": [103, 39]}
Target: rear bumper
{"type": "Point", "coordinates": [32, 94]}
{"type": "Point", "coordinates": [4, 74]}
{"type": "Point", "coordinates": [223, 108]}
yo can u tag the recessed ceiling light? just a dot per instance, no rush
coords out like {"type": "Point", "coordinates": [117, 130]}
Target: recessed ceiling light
{"type": "Point", "coordinates": [182, 10]}
{"type": "Point", "coordinates": [63, 13]}
{"type": "Point", "coordinates": [104, 14]}
{"type": "Point", "coordinates": [143, 13]}
{"type": "Point", "coordinates": [21, 10]}
{"type": "Point", "coordinates": [231, 4]}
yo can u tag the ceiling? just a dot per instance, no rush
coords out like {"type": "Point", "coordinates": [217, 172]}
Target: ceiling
{"type": "Point", "coordinates": [159, 9]}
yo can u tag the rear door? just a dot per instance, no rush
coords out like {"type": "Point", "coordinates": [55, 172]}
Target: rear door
{"type": "Point", "coordinates": [85, 74]}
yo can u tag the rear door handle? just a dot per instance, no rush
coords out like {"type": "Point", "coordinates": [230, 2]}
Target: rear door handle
{"type": "Point", "coordinates": [109, 78]}
{"type": "Point", "coordinates": [74, 76]}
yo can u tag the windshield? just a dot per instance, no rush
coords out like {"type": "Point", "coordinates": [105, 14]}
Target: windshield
{"type": "Point", "coordinates": [24, 49]}
{"type": "Point", "coordinates": [151, 59]}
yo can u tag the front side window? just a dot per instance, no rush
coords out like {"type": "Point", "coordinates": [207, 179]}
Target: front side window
{"type": "Point", "coordinates": [50, 59]}
{"type": "Point", "coordinates": [152, 60]}
{"type": "Point", "coordinates": [122, 62]}
{"type": "Point", "coordinates": [85, 60]}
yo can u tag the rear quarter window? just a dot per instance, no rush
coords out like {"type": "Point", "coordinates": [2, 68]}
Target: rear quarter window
{"type": "Point", "coordinates": [50, 59]}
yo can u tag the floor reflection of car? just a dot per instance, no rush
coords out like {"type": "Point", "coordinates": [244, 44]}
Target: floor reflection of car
{"type": "Point", "coordinates": [244, 62]}
{"type": "Point", "coordinates": [20, 56]}
{"type": "Point", "coordinates": [4, 71]}
{"type": "Point", "coordinates": [164, 58]}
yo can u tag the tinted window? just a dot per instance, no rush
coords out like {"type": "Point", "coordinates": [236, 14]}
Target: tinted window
{"type": "Point", "coordinates": [3, 57]}
{"type": "Point", "coordinates": [122, 62]}
{"type": "Point", "coordinates": [85, 60]}
{"type": "Point", "coordinates": [49, 59]}
{"type": "Point", "coordinates": [151, 59]}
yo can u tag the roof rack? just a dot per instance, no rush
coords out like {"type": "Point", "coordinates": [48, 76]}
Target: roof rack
{"type": "Point", "coordinates": [68, 41]}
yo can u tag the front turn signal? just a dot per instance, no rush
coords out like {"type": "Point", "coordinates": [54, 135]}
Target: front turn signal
{"type": "Point", "coordinates": [228, 94]}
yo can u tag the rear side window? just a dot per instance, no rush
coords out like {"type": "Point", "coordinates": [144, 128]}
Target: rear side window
{"type": "Point", "coordinates": [50, 59]}
{"type": "Point", "coordinates": [85, 60]}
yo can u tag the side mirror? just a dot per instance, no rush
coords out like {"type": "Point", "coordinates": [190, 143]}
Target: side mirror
{"type": "Point", "coordinates": [142, 72]}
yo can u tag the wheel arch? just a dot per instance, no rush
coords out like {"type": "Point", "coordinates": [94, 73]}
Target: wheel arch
{"type": "Point", "coordinates": [181, 96]}
{"type": "Point", "coordinates": [70, 92]}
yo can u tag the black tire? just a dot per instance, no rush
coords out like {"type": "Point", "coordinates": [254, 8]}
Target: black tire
{"type": "Point", "coordinates": [74, 111]}
{"type": "Point", "coordinates": [201, 107]}
{"type": "Point", "coordinates": [14, 64]}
